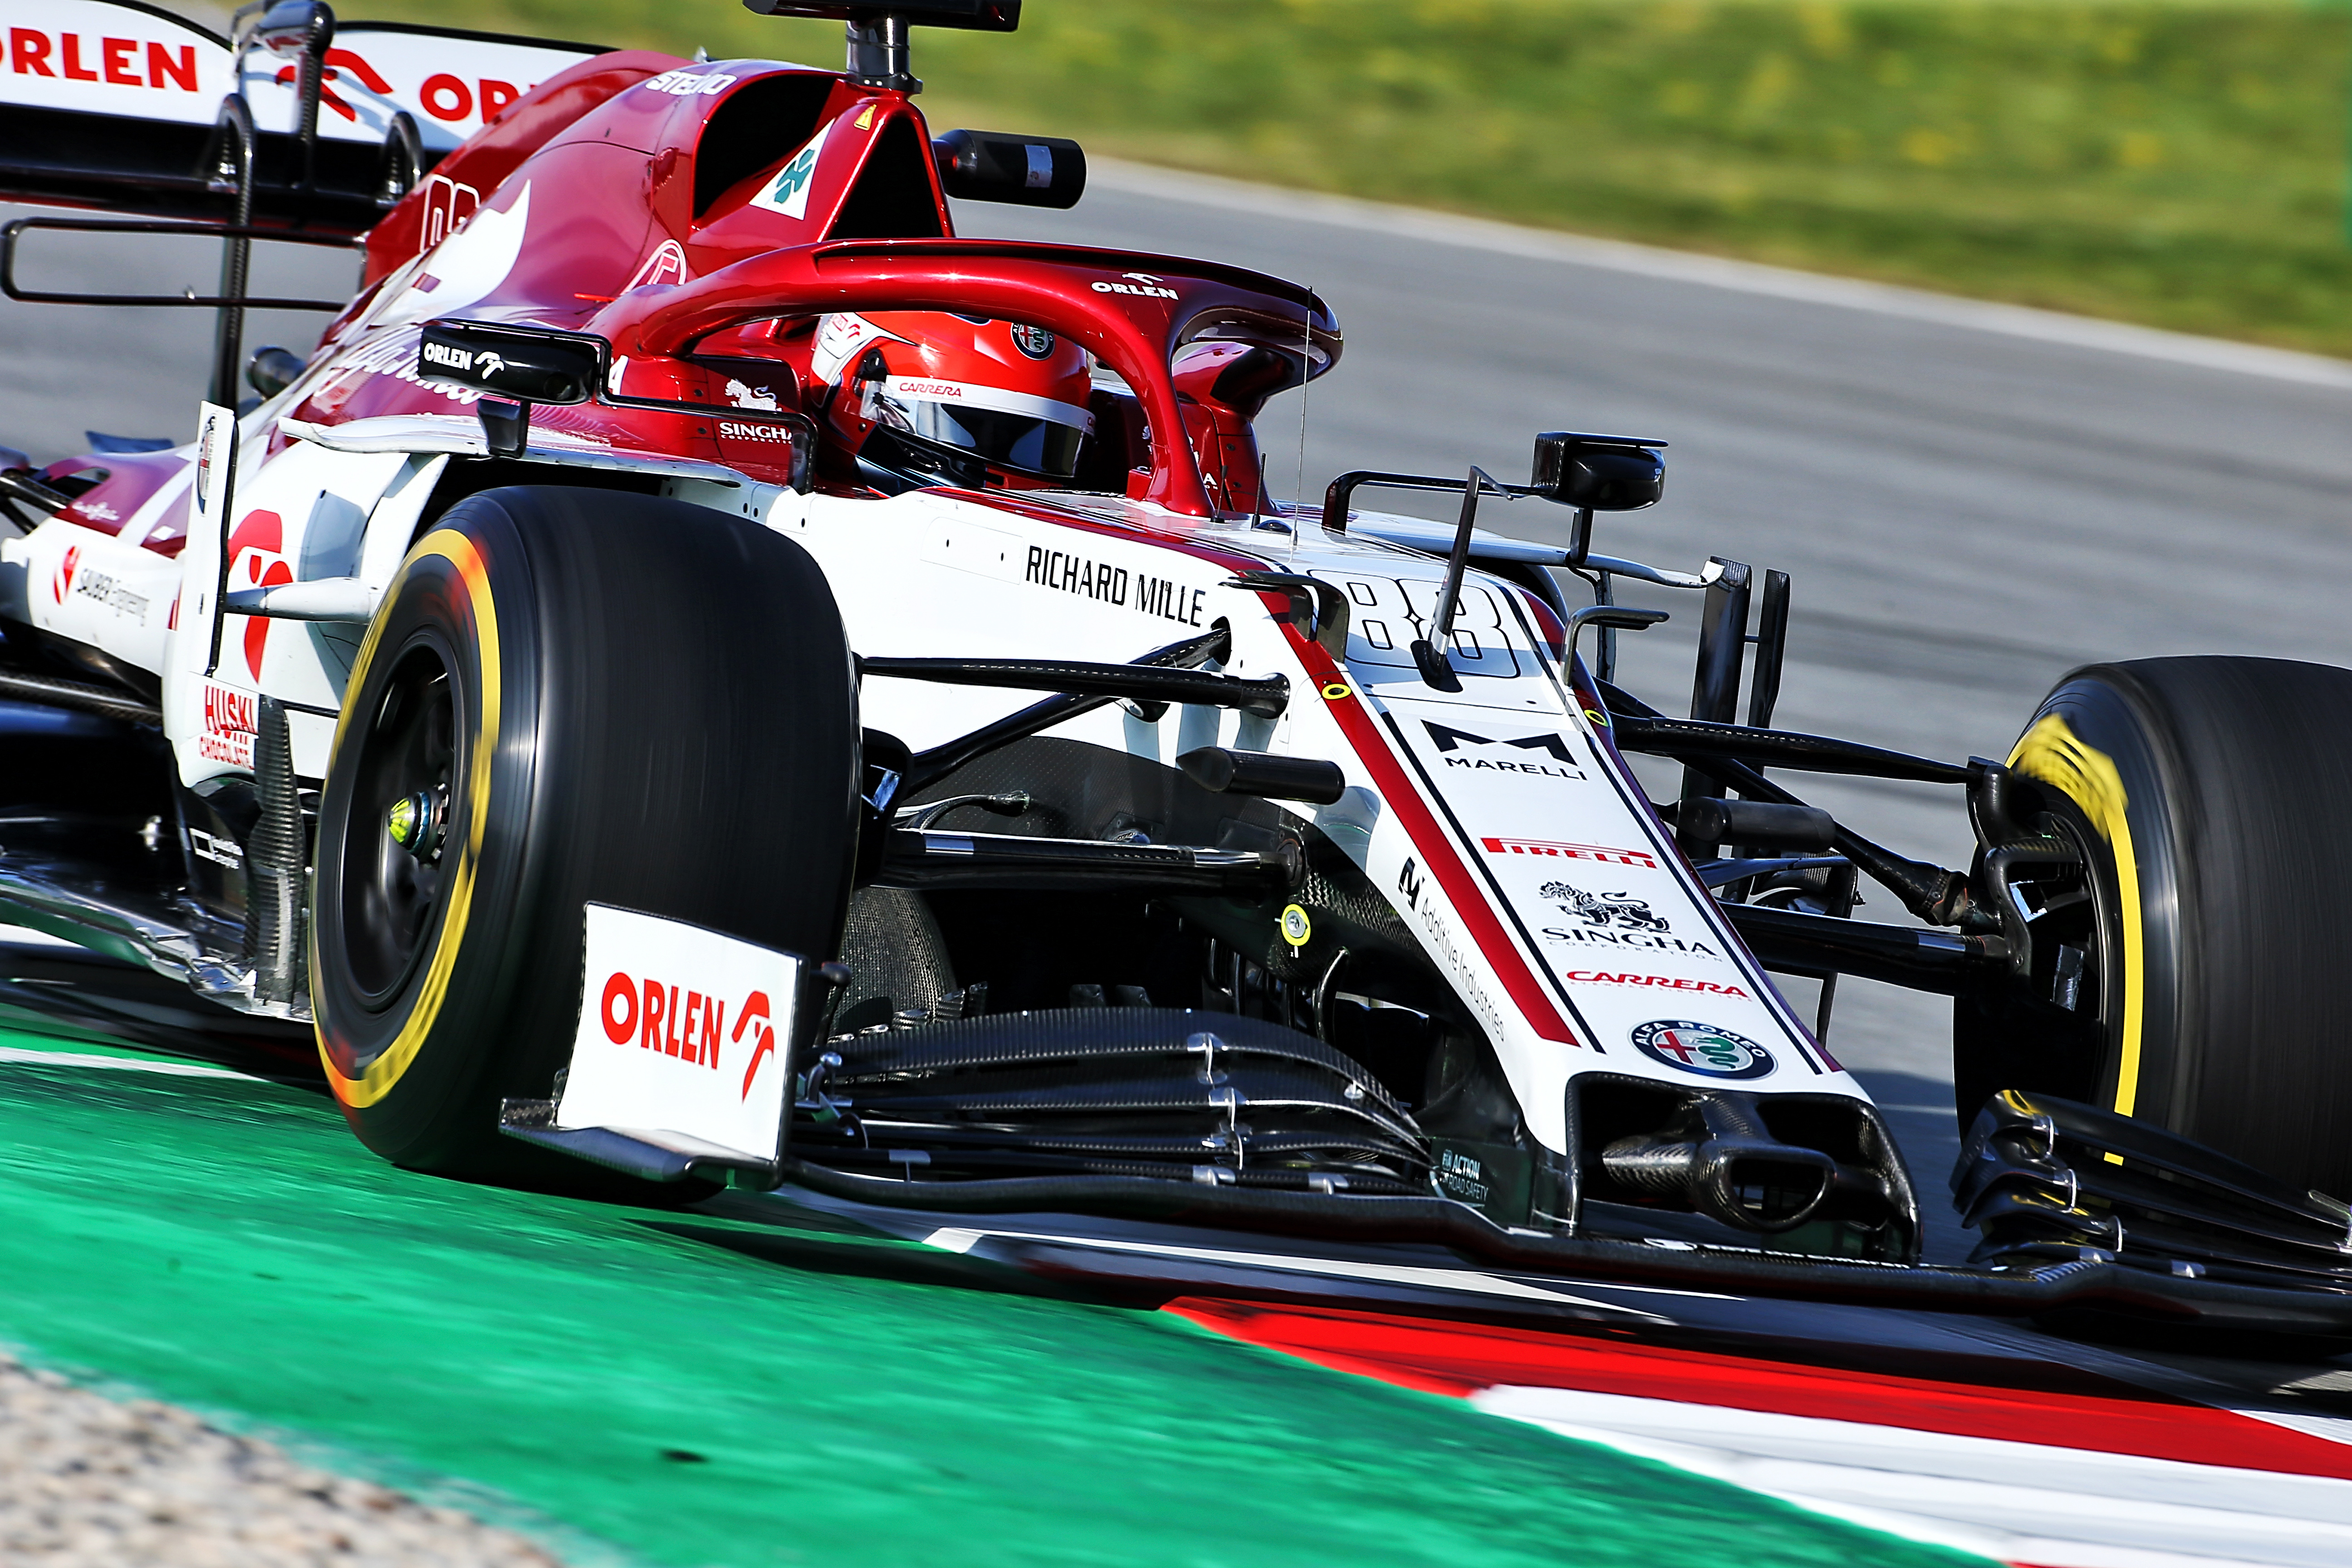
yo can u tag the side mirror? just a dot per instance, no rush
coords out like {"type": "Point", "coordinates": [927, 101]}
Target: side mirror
{"type": "Point", "coordinates": [532, 364]}
{"type": "Point", "coordinates": [1597, 473]}
{"type": "Point", "coordinates": [997, 166]}
{"type": "Point", "coordinates": [272, 370]}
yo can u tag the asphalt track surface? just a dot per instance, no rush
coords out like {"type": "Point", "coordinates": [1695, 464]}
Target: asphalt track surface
{"type": "Point", "coordinates": [1970, 503]}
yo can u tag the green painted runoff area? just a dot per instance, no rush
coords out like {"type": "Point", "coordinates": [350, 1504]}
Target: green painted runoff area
{"type": "Point", "coordinates": [560, 1364]}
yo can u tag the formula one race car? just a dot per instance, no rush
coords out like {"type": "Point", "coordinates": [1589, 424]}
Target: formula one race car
{"type": "Point", "coordinates": [704, 671]}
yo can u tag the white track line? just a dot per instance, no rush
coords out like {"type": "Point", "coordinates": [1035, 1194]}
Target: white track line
{"type": "Point", "coordinates": [2019, 1502]}
{"type": "Point", "coordinates": [1721, 272]}
{"type": "Point", "coordinates": [19, 1055]}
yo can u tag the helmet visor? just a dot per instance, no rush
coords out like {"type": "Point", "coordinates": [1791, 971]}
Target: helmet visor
{"type": "Point", "coordinates": [1024, 441]}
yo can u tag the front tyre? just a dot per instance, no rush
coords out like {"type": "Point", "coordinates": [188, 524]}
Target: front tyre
{"type": "Point", "coordinates": [567, 696]}
{"type": "Point", "coordinates": [2190, 973]}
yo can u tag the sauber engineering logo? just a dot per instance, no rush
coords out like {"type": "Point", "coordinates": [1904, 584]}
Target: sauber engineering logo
{"type": "Point", "coordinates": [111, 593]}
{"type": "Point", "coordinates": [651, 1012]}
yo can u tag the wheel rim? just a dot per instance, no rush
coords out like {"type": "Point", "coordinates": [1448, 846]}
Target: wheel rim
{"type": "Point", "coordinates": [397, 852]}
{"type": "Point", "coordinates": [2075, 929]}
{"type": "Point", "coordinates": [2076, 952]}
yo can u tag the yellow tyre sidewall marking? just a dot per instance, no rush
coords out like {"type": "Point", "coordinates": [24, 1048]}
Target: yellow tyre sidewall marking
{"type": "Point", "coordinates": [2053, 754]}
{"type": "Point", "coordinates": [379, 1077]}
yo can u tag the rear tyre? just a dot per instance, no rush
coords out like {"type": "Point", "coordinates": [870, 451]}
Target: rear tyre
{"type": "Point", "coordinates": [2193, 977]}
{"type": "Point", "coordinates": [567, 696]}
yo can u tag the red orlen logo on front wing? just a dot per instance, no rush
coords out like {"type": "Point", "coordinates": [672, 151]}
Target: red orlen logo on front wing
{"type": "Point", "coordinates": [62, 583]}
{"type": "Point", "coordinates": [653, 1013]}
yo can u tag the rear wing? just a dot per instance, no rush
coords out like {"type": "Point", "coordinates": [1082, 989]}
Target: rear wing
{"type": "Point", "coordinates": [123, 106]}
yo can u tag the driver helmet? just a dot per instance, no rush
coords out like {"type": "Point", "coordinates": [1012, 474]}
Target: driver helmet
{"type": "Point", "coordinates": [955, 393]}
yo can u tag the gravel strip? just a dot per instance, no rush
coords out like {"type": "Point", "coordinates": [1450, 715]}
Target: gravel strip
{"type": "Point", "coordinates": [86, 1481]}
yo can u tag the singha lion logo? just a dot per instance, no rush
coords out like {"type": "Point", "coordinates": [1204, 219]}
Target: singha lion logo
{"type": "Point", "coordinates": [1607, 910]}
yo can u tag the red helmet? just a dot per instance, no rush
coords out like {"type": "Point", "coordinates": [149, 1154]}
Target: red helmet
{"type": "Point", "coordinates": [925, 395]}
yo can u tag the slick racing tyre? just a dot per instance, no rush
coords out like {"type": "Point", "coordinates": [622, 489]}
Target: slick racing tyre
{"type": "Point", "coordinates": [567, 695]}
{"type": "Point", "coordinates": [2191, 973]}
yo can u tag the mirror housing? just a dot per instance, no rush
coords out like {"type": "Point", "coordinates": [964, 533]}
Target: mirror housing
{"type": "Point", "coordinates": [533, 366]}
{"type": "Point", "coordinates": [1597, 473]}
{"type": "Point", "coordinates": [270, 370]}
{"type": "Point", "coordinates": [998, 166]}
